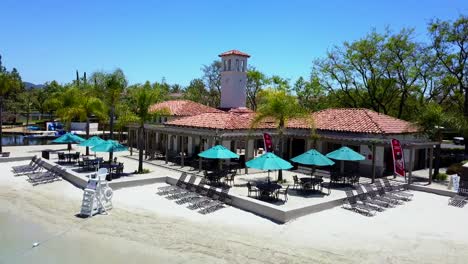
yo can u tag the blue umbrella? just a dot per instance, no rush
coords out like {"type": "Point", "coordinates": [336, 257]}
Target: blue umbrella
{"type": "Point", "coordinates": [345, 153]}
{"type": "Point", "coordinates": [269, 161]}
{"type": "Point", "coordinates": [109, 146]}
{"type": "Point", "coordinates": [92, 141]}
{"type": "Point", "coordinates": [68, 138]}
{"type": "Point", "coordinates": [313, 157]}
{"type": "Point", "coordinates": [218, 152]}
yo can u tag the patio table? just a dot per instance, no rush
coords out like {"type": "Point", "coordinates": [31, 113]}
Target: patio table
{"type": "Point", "coordinates": [311, 181]}
{"type": "Point", "coordinates": [267, 189]}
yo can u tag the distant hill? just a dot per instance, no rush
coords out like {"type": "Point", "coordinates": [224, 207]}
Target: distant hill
{"type": "Point", "coordinates": [29, 85]}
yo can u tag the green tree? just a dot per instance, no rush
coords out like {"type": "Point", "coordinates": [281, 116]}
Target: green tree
{"type": "Point", "coordinates": [142, 97]}
{"type": "Point", "coordinates": [196, 91]}
{"type": "Point", "coordinates": [450, 43]}
{"type": "Point", "coordinates": [280, 106]}
{"type": "Point", "coordinates": [9, 81]}
{"type": "Point", "coordinates": [212, 78]}
{"type": "Point", "coordinates": [256, 80]}
{"type": "Point", "coordinates": [310, 94]}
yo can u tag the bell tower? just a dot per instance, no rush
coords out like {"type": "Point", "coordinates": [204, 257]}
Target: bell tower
{"type": "Point", "coordinates": [233, 79]}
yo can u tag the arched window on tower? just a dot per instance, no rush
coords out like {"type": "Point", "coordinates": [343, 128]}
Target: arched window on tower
{"type": "Point", "coordinates": [237, 65]}
{"type": "Point", "coordinates": [229, 64]}
{"type": "Point", "coordinates": [244, 65]}
{"type": "Point", "coordinates": [224, 62]}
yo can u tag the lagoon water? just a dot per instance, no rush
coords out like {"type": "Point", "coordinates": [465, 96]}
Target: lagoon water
{"type": "Point", "coordinates": [59, 246]}
{"type": "Point", "coordinates": [20, 140]}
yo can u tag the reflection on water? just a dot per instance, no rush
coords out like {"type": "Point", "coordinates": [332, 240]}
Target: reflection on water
{"type": "Point", "coordinates": [20, 140]}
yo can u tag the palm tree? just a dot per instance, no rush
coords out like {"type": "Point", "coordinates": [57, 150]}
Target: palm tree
{"type": "Point", "coordinates": [142, 97]}
{"type": "Point", "coordinates": [8, 82]}
{"type": "Point", "coordinates": [89, 106]}
{"type": "Point", "coordinates": [281, 107]}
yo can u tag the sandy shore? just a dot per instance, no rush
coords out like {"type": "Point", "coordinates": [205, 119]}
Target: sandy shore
{"type": "Point", "coordinates": [146, 228]}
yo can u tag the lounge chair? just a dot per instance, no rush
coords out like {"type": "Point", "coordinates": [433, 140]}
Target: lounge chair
{"type": "Point", "coordinates": [184, 190]}
{"type": "Point", "coordinates": [399, 199]}
{"type": "Point", "coordinates": [19, 168]}
{"type": "Point", "coordinates": [461, 198]}
{"type": "Point", "coordinates": [165, 189]}
{"type": "Point", "coordinates": [376, 204]}
{"type": "Point", "coordinates": [23, 169]}
{"type": "Point", "coordinates": [397, 190]}
{"type": "Point", "coordinates": [351, 203]}
{"type": "Point", "coordinates": [219, 198]}
{"type": "Point", "coordinates": [252, 189]}
{"type": "Point", "coordinates": [376, 195]}
{"type": "Point", "coordinates": [199, 203]}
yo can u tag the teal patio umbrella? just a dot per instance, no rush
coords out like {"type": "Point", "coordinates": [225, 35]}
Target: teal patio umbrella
{"type": "Point", "coordinates": [269, 161]}
{"type": "Point", "coordinates": [218, 152]}
{"type": "Point", "coordinates": [91, 142]}
{"type": "Point", "coordinates": [314, 158]}
{"type": "Point", "coordinates": [68, 138]}
{"type": "Point", "coordinates": [345, 154]}
{"type": "Point", "coordinates": [109, 146]}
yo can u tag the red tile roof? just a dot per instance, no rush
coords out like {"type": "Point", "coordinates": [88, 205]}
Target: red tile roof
{"type": "Point", "coordinates": [348, 120]}
{"type": "Point", "coordinates": [224, 120]}
{"type": "Point", "coordinates": [360, 120]}
{"type": "Point", "coordinates": [184, 108]}
{"type": "Point", "coordinates": [234, 52]}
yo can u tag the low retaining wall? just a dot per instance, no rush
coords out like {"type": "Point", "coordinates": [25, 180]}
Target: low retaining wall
{"type": "Point", "coordinates": [69, 175]}
{"type": "Point", "coordinates": [133, 183]}
{"type": "Point", "coordinates": [14, 159]}
{"type": "Point", "coordinates": [447, 193]}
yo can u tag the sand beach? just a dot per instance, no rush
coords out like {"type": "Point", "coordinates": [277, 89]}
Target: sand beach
{"type": "Point", "coordinates": [146, 228]}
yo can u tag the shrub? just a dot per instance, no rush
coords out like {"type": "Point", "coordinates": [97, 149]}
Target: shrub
{"type": "Point", "coordinates": [143, 172]}
{"type": "Point", "coordinates": [441, 177]}
{"type": "Point", "coordinates": [454, 168]}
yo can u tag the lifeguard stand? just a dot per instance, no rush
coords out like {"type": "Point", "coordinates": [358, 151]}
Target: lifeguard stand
{"type": "Point", "coordinates": [97, 196]}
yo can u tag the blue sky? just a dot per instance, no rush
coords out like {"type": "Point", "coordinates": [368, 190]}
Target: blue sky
{"type": "Point", "coordinates": [149, 40]}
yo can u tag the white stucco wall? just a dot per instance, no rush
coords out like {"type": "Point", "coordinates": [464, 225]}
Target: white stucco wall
{"type": "Point", "coordinates": [233, 82]}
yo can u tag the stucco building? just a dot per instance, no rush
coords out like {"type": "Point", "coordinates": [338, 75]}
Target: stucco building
{"type": "Point", "coordinates": [192, 127]}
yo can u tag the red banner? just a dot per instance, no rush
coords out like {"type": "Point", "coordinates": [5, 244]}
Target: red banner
{"type": "Point", "coordinates": [268, 142]}
{"type": "Point", "coordinates": [398, 160]}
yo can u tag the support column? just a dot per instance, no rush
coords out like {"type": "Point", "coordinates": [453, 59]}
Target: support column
{"type": "Point", "coordinates": [182, 151]}
{"type": "Point", "coordinates": [190, 146]}
{"type": "Point", "coordinates": [201, 147]}
{"type": "Point", "coordinates": [410, 172]}
{"type": "Point", "coordinates": [249, 151]}
{"type": "Point", "coordinates": [290, 148]}
{"type": "Point", "coordinates": [168, 139]}
{"type": "Point", "coordinates": [130, 141]}
{"type": "Point", "coordinates": [431, 158]}
{"type": "Point", "coordinates": [373, 163]}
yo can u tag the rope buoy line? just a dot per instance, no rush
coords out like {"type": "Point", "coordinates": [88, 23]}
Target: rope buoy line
{"type": "Point", "coordinates": [21, 253]}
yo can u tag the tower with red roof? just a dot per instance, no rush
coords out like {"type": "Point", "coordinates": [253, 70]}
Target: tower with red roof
{"type": "Point", "coordinates": [233, 79]}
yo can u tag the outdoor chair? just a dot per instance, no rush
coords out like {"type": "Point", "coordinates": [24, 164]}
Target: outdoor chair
{"type": "Point", "coordinates": [201, 202]}
{"type": "Point", "coordinates": [351, 203]}
{"type": "Point", "coordinates": [296, 182]}
{"type": "Point", "coordinates": [33, 169]}
{"type": "Point", "coordinates": [397, 190]}
{"type": "Point", "coordinates": [61, 157]}
{"type": "Point", "coordinates": [76, 156]}
{"type": "Point", "coordinates": [229, 179]}
{"type": "Point", "coordinates": [354, 179]}
{"type": "Point", "coordinates": [54, 174]}
{"type": "Point", "coordinates": [223, 198]}
{"type": "Point", "coordinates": [184, 191]}
{"type": "Point", "coordinates": [18, 170]}
{"type": "Point", "coordinates": [376, 204]}
{"type": "Point", "coordinates": [392, 195]}
{"type": "Point", "coordinates": [461, 198]}
{"type": "Point", "coordinates": [166, 189]}
{"type": "Point", "coordinates": [252, 189]}
{"type": "Point", "coordinates": [375, 195]}
{"type": "Point", "coordinates": [284, 192]}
